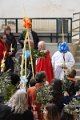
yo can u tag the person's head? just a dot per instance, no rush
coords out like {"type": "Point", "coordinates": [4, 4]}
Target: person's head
{"type": "Point", "coordinates": [40, 77]}
{"type": "Point", "coordinates": [50, 112]}
{"type": "Point", "coordinates": [18, 102]}
{"type": "Point", "coordinates": [31, 44]}
{"type": "Point", "coordinates": [32, 82]}
{"type": "Point", "coordinates": [72, 74]}
{"type": "Point", "coordinates": [63, 47]}
{"type": "Point", "coordinates": [56, 88]}
{"type": "Point", "coordinates": [41, 45]}
{"type": "Point", "coordinates": [4, 38]}
{"type": "Point", "coordinates": [15, 79]}
{"type": "Point", "coordinates": [7, 30]}
{"type": "Point", "coordinates": [57, 85]}
{"type": "Point", "coordinates": [29, 29]}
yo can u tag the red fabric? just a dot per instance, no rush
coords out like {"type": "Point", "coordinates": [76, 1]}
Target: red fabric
{"type": "Point", "coordinates": [3, 47]}
{"type": "Point", "coordinates": [31, 92]}
{"type": "Point", "coordinates": [44, 64]}
{"type": "Point", "coordinates": [31, 95]}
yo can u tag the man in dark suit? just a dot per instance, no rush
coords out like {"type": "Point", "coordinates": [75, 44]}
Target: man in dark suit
{"type": "Point", "coordinates": [32, 35]}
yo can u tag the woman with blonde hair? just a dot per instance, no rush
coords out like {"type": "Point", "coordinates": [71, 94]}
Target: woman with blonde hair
{"type": "Point", "coordinates": [18, 107]}
{"type": "Point", "coordinates": [18, 102]}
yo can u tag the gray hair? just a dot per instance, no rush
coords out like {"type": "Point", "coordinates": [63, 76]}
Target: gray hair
{"type": "Point", "coordinates": [18, 102]}
{"type": "Point", "coordinates": [41, 45]}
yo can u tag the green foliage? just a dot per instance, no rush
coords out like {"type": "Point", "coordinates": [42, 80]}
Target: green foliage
{"type": "Point", "coordinates": [43, 95]}
{"type": "Point", "coordinates": [37, 54]}
{"type": "Point", "coordinates": [6, 88]}
{"type": "Point", "coordinates": [73, 108]}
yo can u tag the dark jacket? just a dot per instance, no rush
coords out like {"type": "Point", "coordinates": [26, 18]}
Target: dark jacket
{"type": "Point", "coordinates": [27, 115]}
{"type": "Point", "coordinates": [4, 111]}
{"type": "Point", "coordinates": [35, 39]}
{"type": "Point", "coordinates": [7, 114]}
{"type": "Point", "coordinates": [11, 40]}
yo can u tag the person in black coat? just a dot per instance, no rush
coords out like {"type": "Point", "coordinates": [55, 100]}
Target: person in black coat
{"type": "Point", "coordinates": [57, 92]}
{"type": "Point", "coordinates": [12, 43]}
{"type": "Point", "coordinates": [32, 35]}
{"type": "Point", "coordinates": [27, 115]}
{"type": "Point", "coordinates": [16, 108]}
{"type": "Point", "coordinates": [11, 40]}
{"type": "Point", "coordinates": [4, 111]}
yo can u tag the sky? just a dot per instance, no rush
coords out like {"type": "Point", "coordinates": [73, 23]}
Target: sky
{"type": "Point", "coordinates": [38, 8]}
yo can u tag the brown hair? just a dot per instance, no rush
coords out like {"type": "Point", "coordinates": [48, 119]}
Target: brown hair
{"type": "Point", "coordinates": [40, 76]}
{"type": "Point", "coordinates": [57, 94]}
{"type": "Point", "coordinates": [1, 37]}
{"type": "Point", "coordinates": [72, 74]}
{"type": "Point", "coordinates": [7, 28]}
{"type": "Point", "coordinates": [53, 113]}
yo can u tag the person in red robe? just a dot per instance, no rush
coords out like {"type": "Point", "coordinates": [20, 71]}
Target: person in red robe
{"type": "Point", "coordinates": [44, 63]}
{"type": "Point", "coordinates": [32, 95]}
{"type": "Point", "coordinates": [3, 48]}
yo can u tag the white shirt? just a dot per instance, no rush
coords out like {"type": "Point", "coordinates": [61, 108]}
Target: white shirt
{"type": "Point", "coordinates": [57, 61]}
{"type": "Point", "coordinates": [30, 35]}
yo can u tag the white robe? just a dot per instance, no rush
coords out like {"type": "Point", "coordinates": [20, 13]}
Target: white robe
{"type": "Point", "coordinates": [57, 61]}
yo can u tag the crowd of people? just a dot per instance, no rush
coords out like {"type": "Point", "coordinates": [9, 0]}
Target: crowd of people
{"type": "Point", "coordinates": [51, 72]}
{"type": "Point", "coordinates": [23, 105]}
